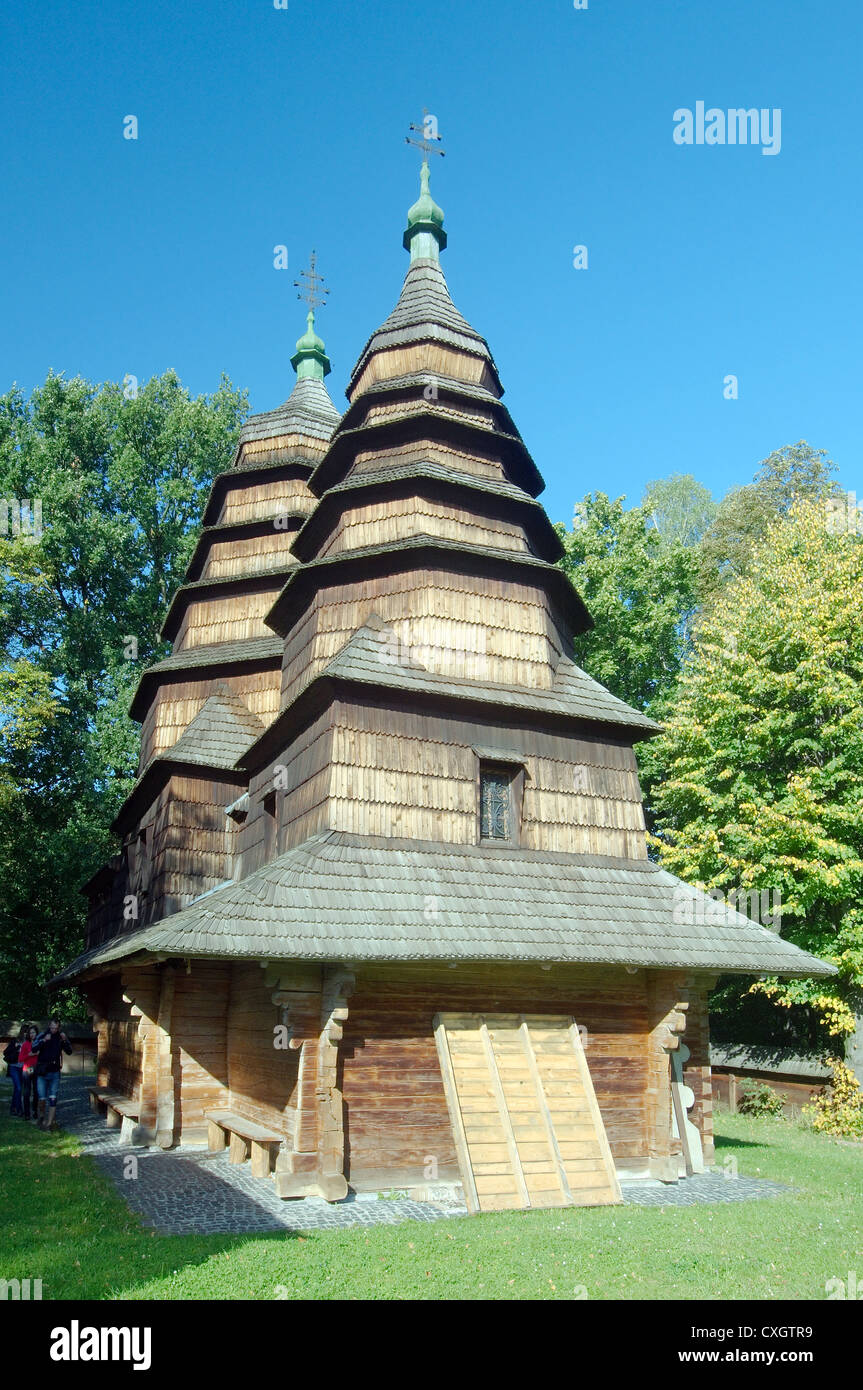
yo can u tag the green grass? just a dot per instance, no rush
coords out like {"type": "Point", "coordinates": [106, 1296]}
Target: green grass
{"type": "Point", "coordinates": [63, 1223]}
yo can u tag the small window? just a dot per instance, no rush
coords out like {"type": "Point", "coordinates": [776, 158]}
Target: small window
{"type": "Point", "coordinates": [495, 804]}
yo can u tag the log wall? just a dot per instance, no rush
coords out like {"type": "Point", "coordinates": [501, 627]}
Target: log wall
{"type": "Point", "coordinates": [199, 1045]}
{"type": "Point", "coordinates": [396, 1116]}
{"type": "Point", "coordinates": [228, 618]}
{"type": "Point", "coordinates": [262, 1078]}
{"type": "Point", "coordinates": [511, 636]}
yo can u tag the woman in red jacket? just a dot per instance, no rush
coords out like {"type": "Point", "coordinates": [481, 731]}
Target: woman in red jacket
{"type": "Point", "coordinates": [28, 1059]}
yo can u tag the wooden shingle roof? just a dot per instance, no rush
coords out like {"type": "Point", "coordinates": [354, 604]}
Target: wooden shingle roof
{"type": "Point", "coordinates": [367, 660]}
{"type": "Point", "coordinates": [307, 411]}
{"type": "Point", "coordinates": [417, 552]}
{"type": "Point", "coordinates": [424, 478]}
{"type": "Point", "coordinates": [367, 657]}
{"type": "Point", "coordinates": [253, 652]}
{"type": "Point", "coordinates": [216, 739]}
{"type": "Point", "coordinates": [219, 734]}
{"type": "Point", "coordinates": [349, 897]}
{"type": "Point", "coordinates": [424, 313]}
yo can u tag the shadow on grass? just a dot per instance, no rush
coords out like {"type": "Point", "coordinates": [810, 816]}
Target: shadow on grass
{"type": "Point", "coordinates": [65, 1223]}
{"type": "Point", "coordinates": [726, 1142]}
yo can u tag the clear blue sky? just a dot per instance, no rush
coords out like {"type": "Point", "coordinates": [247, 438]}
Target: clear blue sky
{"type": "Point", "coordinates": [260, 126]}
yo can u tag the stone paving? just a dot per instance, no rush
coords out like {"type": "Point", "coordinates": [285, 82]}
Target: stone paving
{"type": "Point", "coordinates": [700, 1188]}
{"type": "Point", "coordinates": [192, 1192]}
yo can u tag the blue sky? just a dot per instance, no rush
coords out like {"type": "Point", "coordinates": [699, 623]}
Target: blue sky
{"type": "Point", "coordinates": [260, 126]}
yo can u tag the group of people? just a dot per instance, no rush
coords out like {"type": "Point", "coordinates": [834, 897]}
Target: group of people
{"type": "Point", "coordinates": [34, 1061]}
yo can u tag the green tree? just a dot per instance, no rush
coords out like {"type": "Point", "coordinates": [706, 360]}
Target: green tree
{"type": "Point", "coordinates": [757, 782]}
{"type": "Point", "coordinates": [794, 473]}
{"type": "Point", "coordinates": [680, 508]}
{"type": "Point", "coordinates": [639, 588]}
{"type": "Point", "coordinates": [122, 484]}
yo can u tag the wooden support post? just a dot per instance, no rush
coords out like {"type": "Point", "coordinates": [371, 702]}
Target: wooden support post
{"type": "Point", "coordinates": [239, 1150]}
{"type": "Point", "coordinates": [216, 1137]}
{"type": "Point", "coordinates": [141, 988]}
{"type": "Point", "coordinates": [260, 1160]}
{"type": "Point", "coordinates": [666, 1021]}
{"type": "Point", "coordinates": [165, 1061]}
{"type": "Point", "coordinates": [338, 985]}
{"type": "Point", "coordinates": [315, 1163]}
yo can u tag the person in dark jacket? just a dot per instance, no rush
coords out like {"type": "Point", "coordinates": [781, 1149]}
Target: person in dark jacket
{"type": "Point", "coordinates": [13, 1066]}
{"type": "Point", "coordinates": [49, 1047]}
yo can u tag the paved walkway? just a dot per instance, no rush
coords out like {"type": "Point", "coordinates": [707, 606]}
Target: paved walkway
{"type": "Point", "coordinates": [189, 1191]}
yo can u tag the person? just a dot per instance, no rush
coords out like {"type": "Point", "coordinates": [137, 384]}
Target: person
{"type": "Point", "coordinates": [49, 1047]}
{"type": "Point", "coordinates": [13, 1066]}
{"type": "Point", "coordinates": [28, 1058]}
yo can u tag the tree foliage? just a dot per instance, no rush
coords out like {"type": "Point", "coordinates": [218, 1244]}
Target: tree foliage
{"type": "Point", "coordinates": [122, 484]}
{"type": "Point", "coordinates": [680, 508]}
{"type": "Point", "coordinates": [639, 589]}
{"type": "Point", "coordinates": [795, 473]}
{"type": "Point", "coordinates": [757, 782]}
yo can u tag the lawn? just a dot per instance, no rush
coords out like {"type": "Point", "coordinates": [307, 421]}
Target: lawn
{"type": "Point", "coordinates": [63, 1223]}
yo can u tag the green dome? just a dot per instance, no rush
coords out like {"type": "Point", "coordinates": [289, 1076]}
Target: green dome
{"type": "Point", "coordinates": [425, 209]}
{"type": "Point", "coordinates": [310, 339]}
{"type": "Point", "coordinates": [424, 235]}
{"type": "Point", "coordinates": [310, 358]}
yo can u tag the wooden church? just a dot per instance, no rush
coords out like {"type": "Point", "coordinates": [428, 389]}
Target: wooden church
{"type": "Point", "coordinates": [383, 916]}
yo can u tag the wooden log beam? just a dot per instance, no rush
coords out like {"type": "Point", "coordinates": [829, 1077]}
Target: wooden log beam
{"type": "Point", "coordinates": [666, 1021]}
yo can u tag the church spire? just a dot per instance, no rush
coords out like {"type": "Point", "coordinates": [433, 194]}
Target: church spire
{"type": "Point", "coordinates": [424, 235]}
{"type": "Point", "coordinates": [310, 359]}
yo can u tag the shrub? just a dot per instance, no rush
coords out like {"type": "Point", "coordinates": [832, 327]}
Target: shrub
{"type": "Point", "coordinates": [757, 1098]}
{"type": "Point", "coordinates": [839, 1110]}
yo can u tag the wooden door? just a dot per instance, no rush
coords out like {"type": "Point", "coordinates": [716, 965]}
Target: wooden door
{"type": "Point", "coordinates": [527, 1127]}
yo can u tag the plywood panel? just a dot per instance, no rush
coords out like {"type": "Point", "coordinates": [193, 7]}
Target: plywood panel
{"type": "Point", "coordinates": [524, 1114]}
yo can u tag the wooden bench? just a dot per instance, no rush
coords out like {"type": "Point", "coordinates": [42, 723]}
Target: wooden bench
{"type": "Point", "coordinates": [244, 1135]}
{"type": "Point", "coordinates": [120, 1111]}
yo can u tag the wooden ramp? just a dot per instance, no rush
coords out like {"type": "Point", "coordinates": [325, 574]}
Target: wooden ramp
{"type": "Point", "coordinates": [527, 1127]}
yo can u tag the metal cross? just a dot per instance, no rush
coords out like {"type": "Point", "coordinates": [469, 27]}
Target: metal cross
{"type": "Point", "coordinates": [428, 136]}
{"type": "Point", "coordinates": [311, 285]}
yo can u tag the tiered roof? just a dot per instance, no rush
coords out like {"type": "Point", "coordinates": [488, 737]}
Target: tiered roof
{"type": "Point", "coordinates": [383, 532]}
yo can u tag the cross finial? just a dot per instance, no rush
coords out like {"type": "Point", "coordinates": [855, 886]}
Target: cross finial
{"type": "Point", "coordinates": [311, 285]}
{"type": "Point", "coordinates": [425, 137]}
